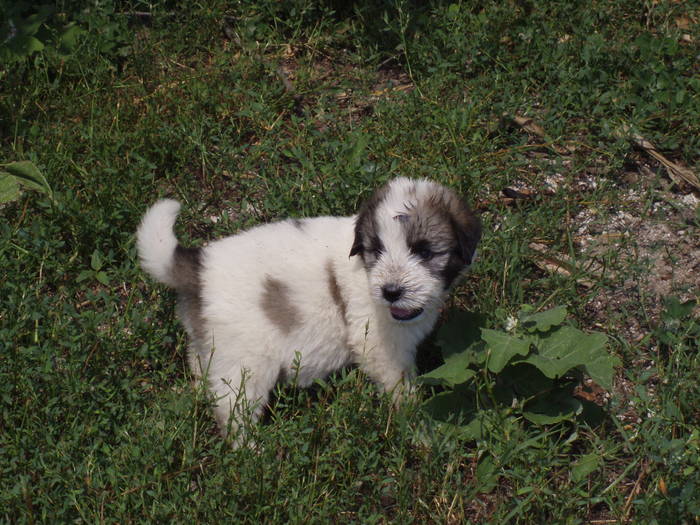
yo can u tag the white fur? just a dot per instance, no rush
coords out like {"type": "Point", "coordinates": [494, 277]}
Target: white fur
{"type": "Point", "coordinates": [156, 241]}
{"type": "Point", "coordinates": [238, 344]}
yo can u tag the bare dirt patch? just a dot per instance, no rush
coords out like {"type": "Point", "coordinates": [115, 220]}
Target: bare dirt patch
{"type": "Point", "coordinates": [651, 242]}
{"type": "Point", "coordinates": [642, 240]}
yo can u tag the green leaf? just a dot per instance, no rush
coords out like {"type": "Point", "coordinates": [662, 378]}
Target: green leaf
{"type": "Point", "coordinates": [456, 369]}
{"type": "Point", "coordinates": [592, 414]}
{"type": "Point", "coordinates": [525, 380]}
{"type": "Point", "coordinates": [487, 474]}
{"type": "Point", "coordinates": [553, 407]}
{"type": "Point", "coordinates": [451, 406]}
{"type": "Point", "coordinates": [9, 189]}
{"type": "Point", "coordinates": [502, 348]}
{"type": "Point", "coordinates": [459, 333]}
{"type": "Point", "coordinates": [600, 365]}
{"type": "Point", "coordinates": [568, 348]}
{"type": "Point", "coordinates": [25, 45]}
{"type": "Point", "coordinates": [543, 321]}
{"type": "Point", "coordinates": [27, 174]}
{"type": "Point", "coordinates": [30, 25]}
{"type": "Point", "coordinates": [102, 278]}
{"type": "Point", "coordinates": [457, 409]}
{"type": "Point", "coordinates": [69, 38]}
{"type": "Point", "coordinates": [562, 350]}
{"type": "Point", "coordinates": [584, 466]}
{"type": "Point", "coordinates": [96, 260]}
{"type": "Point", "coordinates": [675, 310]}
{"type": "Point", "coordinates": [454, 372]}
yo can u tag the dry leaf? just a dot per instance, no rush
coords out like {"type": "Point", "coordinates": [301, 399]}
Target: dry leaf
{"type": "Point", "coordinates": [683, 22]}
{"type": "Point", "coordinates": [560, 264]}
{"type": "Point", "coordinates": [530, 126]}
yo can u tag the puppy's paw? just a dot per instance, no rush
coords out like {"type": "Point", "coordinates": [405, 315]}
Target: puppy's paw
{"type": "Point", "coordinates": [405, 392]}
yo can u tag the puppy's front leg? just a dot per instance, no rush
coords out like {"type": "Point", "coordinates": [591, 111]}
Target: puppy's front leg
{"type": "Point", "coordinates": [405, 389]}
{"type": "Point", "coordinates": [393, 377]}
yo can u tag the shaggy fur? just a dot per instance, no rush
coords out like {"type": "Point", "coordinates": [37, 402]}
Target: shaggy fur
{"type": "Point", "coordinates": [302, 298]}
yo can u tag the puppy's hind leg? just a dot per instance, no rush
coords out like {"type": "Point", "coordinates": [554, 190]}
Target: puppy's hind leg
{"type": "Point", "coordinates": [241, 394]}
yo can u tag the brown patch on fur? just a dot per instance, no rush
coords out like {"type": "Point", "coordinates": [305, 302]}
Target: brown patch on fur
{"type": "Point", "coordinates": [187, 266]}
{"type": "Point", "coordinates": [187, 263]}
{"type": "Point", "coordinates": [335, 291]}
{"type": "Point", "coordinates": [277, 306]}
{"type": "Point", "coordinates": [190, 311]}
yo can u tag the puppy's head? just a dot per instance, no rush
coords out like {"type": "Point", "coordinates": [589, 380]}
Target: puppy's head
{"type": "Point", "coordinates": [415, 238]}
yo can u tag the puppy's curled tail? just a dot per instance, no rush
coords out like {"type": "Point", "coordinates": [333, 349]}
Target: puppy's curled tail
{"type": "Point", "coordinates": [160, 254]}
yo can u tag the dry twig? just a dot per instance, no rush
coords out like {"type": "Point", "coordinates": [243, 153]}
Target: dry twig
{"type": "Point", "coordinates": [678, 174]}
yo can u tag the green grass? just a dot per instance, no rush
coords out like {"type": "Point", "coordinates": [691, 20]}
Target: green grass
{"type": "Point", "coordinates": [99, 419]}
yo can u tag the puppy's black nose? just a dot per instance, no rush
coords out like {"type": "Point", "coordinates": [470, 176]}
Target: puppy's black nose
{"type": "Point", "coordinates": [391, 292]}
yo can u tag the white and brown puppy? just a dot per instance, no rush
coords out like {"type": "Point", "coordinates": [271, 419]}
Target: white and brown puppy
{"type": "Point", "coordinates": [300, 298]}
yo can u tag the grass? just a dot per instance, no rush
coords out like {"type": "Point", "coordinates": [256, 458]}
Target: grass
{"type": "Point", "coordinates": [99, 419]}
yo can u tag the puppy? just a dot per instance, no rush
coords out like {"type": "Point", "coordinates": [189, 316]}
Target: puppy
{"type": "Point", "coordinates": [300, 298]}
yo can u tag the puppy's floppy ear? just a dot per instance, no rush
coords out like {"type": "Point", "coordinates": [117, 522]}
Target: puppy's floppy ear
{"type": "Point", "coordinates": [357, 246]}
{"type": "Point", "coordinates": [467, 228]}
{"type": "Point", "coordinates": [365, 228]}
{"type": "Point", "coordinates": [468, 236]}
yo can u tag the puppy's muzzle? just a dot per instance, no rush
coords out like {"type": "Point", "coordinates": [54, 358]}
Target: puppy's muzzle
{"type": "Point", "coordinates": [392, 294]}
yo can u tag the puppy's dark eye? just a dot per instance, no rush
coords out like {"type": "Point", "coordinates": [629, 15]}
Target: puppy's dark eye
{"type": "Point", "coordinates": [376, 249]}
{"type": "Point", "coordinates": [425, 254]}
{"type": "Point", "coordinates": [422, 250]}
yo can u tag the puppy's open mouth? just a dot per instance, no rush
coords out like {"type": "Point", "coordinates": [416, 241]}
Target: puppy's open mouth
{"type": "Point", "coordinates": [403, 314]}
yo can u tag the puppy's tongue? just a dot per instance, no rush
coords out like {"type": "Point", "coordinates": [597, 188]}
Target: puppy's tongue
{"type": "Point", "coordinates": [403, 313]}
